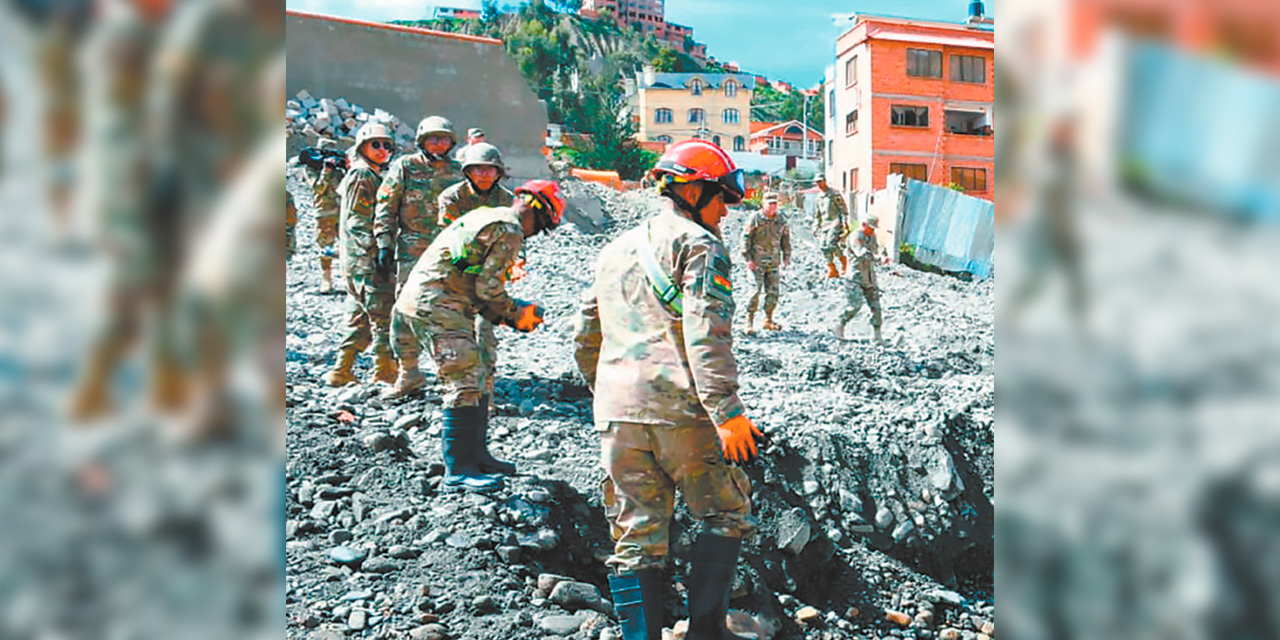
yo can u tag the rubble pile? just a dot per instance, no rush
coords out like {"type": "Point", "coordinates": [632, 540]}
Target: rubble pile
{"type": "Point", "coordinates": [873, 492]}
{"type": "Point", "coordinates": [308, 119]}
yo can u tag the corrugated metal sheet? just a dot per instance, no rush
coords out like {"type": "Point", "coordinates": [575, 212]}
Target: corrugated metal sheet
{"type": "Point", "coordinates": [1203, 131]}
{"type": "Point", "coordinates": [948, 229]}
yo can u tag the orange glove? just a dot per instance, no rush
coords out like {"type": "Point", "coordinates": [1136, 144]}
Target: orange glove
{"type": "Point", "coordinates": [530, 317]}
{"type": "Point", "coordinates": [738, 439]}
{"type": "Point", "coordinates": [517, 271]}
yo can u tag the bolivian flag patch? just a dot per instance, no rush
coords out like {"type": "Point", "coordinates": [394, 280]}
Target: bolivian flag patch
{"type": "Point", "coordinates": [718, 286]}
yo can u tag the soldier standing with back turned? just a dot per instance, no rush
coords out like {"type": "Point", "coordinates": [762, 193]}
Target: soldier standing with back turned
{"type": "Point", "coordinates": [654, 342]}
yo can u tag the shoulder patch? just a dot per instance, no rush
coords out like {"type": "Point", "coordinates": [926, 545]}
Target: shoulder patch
{"type": "Point", "coordinates": [717, 283]}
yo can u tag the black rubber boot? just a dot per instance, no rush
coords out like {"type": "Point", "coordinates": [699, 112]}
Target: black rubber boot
{"type": "Point", "coordinates": [457, 446]}
{"type": "Point", "coordinates": [485, 460]}
{"type": "Point", "coordinates": [715, 561]}
{"type": "Point", "coordinates": [639, 600]}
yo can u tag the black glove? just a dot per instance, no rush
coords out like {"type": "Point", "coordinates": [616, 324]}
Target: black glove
{"type": "Point", "coordinates": [386, 263]}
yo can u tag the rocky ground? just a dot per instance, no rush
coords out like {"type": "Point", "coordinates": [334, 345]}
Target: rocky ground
{"type": "Point", "coordinates": [874, 493]}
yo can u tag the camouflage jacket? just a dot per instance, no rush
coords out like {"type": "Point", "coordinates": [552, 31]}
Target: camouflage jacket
{"type": "Point", "coordinates": [407, 198]}
{"type": "Point", "coordinates": [462, 197]}
{"type": "Point", "coordinates": [465, 268]}
{"type": "Point", "coordinates": [643, 362]}
{"type": "Point", "coordinates": [830, 210]}
{"type": "Point", "coordinates": [324, 186]}
{"type": "Point", "coordinates": [359, 188]}
{"type": "Point", "coordinates": [866, 249]}
{"type": "Point", "coordinates": [764, 239]}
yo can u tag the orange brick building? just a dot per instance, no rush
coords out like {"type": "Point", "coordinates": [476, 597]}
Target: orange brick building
{"type": "Point", "coordinates": [914, 97]}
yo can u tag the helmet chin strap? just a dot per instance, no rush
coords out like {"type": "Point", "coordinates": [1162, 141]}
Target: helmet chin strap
{"type": "Point", "coordinates": [694, 210]}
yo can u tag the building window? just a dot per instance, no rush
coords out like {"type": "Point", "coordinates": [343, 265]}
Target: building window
{"type": "Point", "coordinates": [851, 123]}
{"type": "Point", "coordinates": [851, 71]}
{"type": "Point", "coordinates": [730, 116]}
{"type": "Point", "coordinates": [923, 63]}
{"type": "Point", "coordinates": [696, 87]}
{"type": "Point", "coordinates": [696, 115]}
{"type": "Point", "coordinates": [662, 115]}
{"type": "Point", "coordinates": [969, 180]}
{"type": "Point", "coordinates": [904, 116]}
{"type": "Point", "coordinates": [739, 144]}
{"type": "Point", "coordinates": [969, 69]}
{"type": "Point", "coordinates": [730, 90]}
{"type": "Point", "coordinates": [831, 103]}
{"type": "Point", "coordinates": [967, 123]}
{"type": "Point", "coordinates": [664, 139]}
{"type": "Point", "coordinates": [914, 171]}
{"type": "Point", "coordinates": [716, 140]}
{"type": "Point", "coordinates": [853, 179]}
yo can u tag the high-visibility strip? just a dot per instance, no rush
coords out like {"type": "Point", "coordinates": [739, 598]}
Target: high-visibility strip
{"type": "Point", "coordinates": [667, 291]}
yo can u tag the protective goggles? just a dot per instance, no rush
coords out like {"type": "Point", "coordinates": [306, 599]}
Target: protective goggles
{"type": "Point", "coordinates": [732, 184]}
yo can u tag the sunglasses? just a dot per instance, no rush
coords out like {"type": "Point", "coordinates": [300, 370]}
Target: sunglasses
{"type": "Point", "coordinates": [378, 145]}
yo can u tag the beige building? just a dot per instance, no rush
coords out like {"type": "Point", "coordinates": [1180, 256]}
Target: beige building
{"type": "Point", "coordinates": [671, 107]}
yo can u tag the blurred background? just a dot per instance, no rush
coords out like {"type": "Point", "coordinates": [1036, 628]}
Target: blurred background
{"type": "Point", "coordinates": [141, 318]}
{"type": "Point", "coordinates": [1138, 341]}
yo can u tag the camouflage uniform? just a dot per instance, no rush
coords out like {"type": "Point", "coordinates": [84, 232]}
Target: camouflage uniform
{"type": "Point", "coordinates": [454, 202]}
{"type": "Point", "coordinates": [407, 218]}
{"type": "Point", "coordinates": [764, 239]}
{"type": "Point", "coordinates": [831, 222]}
{"type": "Point", "coordinates": [661, 384]}
{"type": "Point", "coordinates": [370, 298]}
{"type": "Point", "coordinates": [861, 283]}
{"type": "Point", "coordinates": [324, 189]}
{"type": "Point", "coordinates": [463, 273]}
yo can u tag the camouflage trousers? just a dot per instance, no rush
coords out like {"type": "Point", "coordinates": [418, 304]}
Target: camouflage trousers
{"type": "Point", "coordinates": [368, 314]}
{"type": "Point", "coordinates": [409, 247]}
{"type": "Point", "coordinates": [327, 232]}
{"type": "Point", "coordinates": [858, 289]}
{"type": "Point", "coordinates": [645, 464]}
{"type": "Point", "coordinates": [450, 337]}
{"type": "Point", "coordinates": [767, 278]}
{"type": "Point", "coordinates": [831, 240]}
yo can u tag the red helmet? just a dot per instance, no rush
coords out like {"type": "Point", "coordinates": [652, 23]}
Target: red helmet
{"type": "Point", "coordinates": [690, 160]}
{"type": "Point", "coordinates": [548, 193]}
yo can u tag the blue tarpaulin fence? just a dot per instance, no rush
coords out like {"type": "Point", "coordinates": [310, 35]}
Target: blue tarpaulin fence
{"type": "Point", "coordinates": [948, 229]}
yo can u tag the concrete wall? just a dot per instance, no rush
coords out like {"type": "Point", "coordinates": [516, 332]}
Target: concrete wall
{"type": "Point", "coordinates": [413, 73]}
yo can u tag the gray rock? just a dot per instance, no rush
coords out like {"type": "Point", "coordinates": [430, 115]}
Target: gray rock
{"type": "Point", "coordinates": [484, 604]}
{"type": "Point", "coordinates": [357, 620]}
{"type": "Point", "coordinates": [548, 581]}
{"type": "Point", "coordinates": [794, 531]}
{"type": "Point", "coordinates": [576, 595]}
{"type": "Point", "coordinates": [509, 554]}
{"type": "Point", "coordinates": [343, 554]}
{"type": "Point", "coordinates": [942, 473]}
{"type": "Point", "coordinates": [903, 530]}
{"type": "Point", "coordinates": [340, 536]}
{"type": "Point", "coordinates": [378, 565]}
{"type": "Point", "coordinates": [408, 421]}
{"type": "Point", "coordinates": [431, 631]}
{"type": "Point", "coordinates": [323, 509]}
{"type": "Point", "coordinates": [402, 552]}
{"type": "Point", "coordinates": [361, 594]}
{"type": "Point", "coordinates": [460, 540]}
{"type": "Point", "coordinates": [306, 491]}
{"type": "Point", "coordinates": [884, 517]}
{"type": "Point", "coordinates": [560, 625]}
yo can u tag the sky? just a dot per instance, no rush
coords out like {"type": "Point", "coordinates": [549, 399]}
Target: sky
{"type": "Point", "coordinates": [795, 45]}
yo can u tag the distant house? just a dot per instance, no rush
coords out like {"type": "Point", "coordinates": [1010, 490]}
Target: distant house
{"type": "Point", "coordinates": [671, 107]}
{"type": "Point", "coordinates": [785, 139]}
{"type": "Point", "coordinates": [647, 17]}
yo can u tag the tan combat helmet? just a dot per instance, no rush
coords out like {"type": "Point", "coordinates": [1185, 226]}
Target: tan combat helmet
{"type": "Point", "coordinates": [373, 131]}
{"type": "Point", "coordinates": [483, 153]}
{"type": "Point", "coordinates": [435, 125]}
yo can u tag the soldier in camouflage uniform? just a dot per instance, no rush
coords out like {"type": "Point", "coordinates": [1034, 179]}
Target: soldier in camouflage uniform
{"type": "Point", "coordinates": [407, 219]}
{"type": "Point", "coordinates": [324, 188]}
{"type": "Point", "coordinates": [831, 223]}
{"type": "Point", "coordinates": [861, 284]}
{"type": "Point", "coordinates": [370, 290]}
{"type": "Point", "coordinates": [483, 168]}
{"type": "Point", "coordinates": [766, 245]}
{"type": "Point", "coordinates": [654, 342]}
{"type": "Point", "coordinates": [463, 274]}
